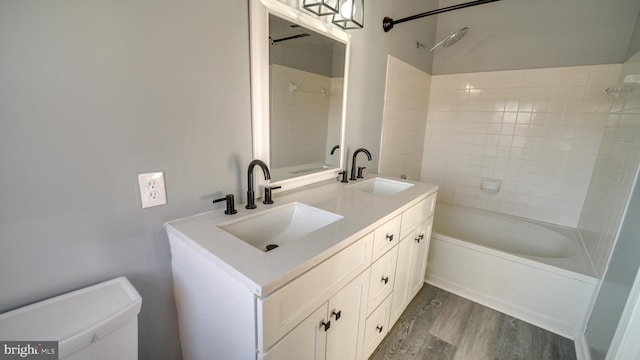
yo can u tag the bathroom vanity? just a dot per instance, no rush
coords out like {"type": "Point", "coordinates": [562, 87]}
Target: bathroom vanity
{"type": "Point", "coordinates": [331, 292]}
{"type": "Point", "coordinates": [325, 271]}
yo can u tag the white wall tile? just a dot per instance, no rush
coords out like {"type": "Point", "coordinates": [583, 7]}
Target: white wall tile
{"type": "Point", "coordinates": [523, 126]}
{"type": "Point", "coordinates": [298, 117]}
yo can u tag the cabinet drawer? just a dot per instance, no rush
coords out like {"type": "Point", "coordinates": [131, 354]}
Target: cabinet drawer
{"type": "Point", "coordinates": [420, 232]}
{"type": "Point", "coordinates": [383, 274]}
{"type": "Point", "coordinates": [418, 213]}
{"type": "Point", "coordinates": [386, 236]}
{"type": "Point", "coordinates": [284, 309]}
{"type": "Point", "coordinates": [376, 327]}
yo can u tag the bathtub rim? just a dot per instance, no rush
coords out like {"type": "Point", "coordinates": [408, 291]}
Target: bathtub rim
{"type": "Point", "coordinates": [577, 266]}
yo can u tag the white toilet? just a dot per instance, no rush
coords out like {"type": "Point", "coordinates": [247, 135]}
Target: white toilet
{"type": "Point", "coordinates": [98, 322]}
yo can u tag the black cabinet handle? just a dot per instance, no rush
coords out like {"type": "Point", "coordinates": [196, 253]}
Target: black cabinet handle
{"type": "Point", "coordinates": [385, 279]}
{"type": "Point", "coordinates": [421, 236]}
{"type": "Point", "coordinates": [390, 237]}
{"type": "Point", "coordinates": [379, 328]}
{"type": "Point", "coordinates": [336, 314]}
{"type": "Point", "coordinates": [325, 325]}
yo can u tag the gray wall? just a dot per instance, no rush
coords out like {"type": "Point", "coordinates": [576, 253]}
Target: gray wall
{"type": "Point", "coordinates": [314, 53]}
{"type": "Point", "coordinates": [524, 34]}
{"type": "Point", "coordinates": [369, 49]}
{"type": "Point", "coordinates": [405, 35]}
{"type": "Point", "coordinates": [366, 85]}
{"type": "Point", "coordinates": [92, 93]}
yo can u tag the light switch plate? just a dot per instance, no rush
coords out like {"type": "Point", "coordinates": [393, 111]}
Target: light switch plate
{"type": "Point", "coordinates": [152, 189]}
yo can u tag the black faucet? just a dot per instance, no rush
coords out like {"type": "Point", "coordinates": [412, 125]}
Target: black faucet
{"type": "Point", "coordinates": [344, 176]}
{"type": "Point", "coordinates": [267, 194]}
{"type": "Point", "coordinates": [230, 204]}
{"type": "Point", "coordinates": [334, 149]}
{"type": "Point", "coordinates": [353, 161]}
{"type": "Point", "coordinates": [251, 197]}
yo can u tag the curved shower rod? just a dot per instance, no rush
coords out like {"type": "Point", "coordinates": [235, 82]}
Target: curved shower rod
{"type": "Point", "coordinates": [387, 23]}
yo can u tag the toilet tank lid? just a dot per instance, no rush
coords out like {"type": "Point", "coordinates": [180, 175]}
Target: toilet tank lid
{"type": "Point", "coordinates": [75, 319]}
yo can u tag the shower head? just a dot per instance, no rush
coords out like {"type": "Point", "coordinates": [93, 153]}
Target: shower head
{"type": "Point", "coordinates": [452, 38]}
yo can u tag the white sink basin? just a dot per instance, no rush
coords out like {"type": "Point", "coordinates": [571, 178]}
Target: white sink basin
{"type": "Point", "coordinates": [381, 186]}
{"type": "Point", "coordinates": [280, 225]}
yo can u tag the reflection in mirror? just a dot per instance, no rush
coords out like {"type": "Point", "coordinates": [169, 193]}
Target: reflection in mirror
{"type": "Point", "coordinates": [306, 77]}
{"type": "Point", "coordinates": [299, 77]}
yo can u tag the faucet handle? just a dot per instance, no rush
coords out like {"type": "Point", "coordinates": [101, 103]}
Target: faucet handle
{"type": "Point", "coordinates": [360, 168]}
{"type": "Point", "coordinates": [344, 176]}
{"type": "Point", "coordinates": [230, 204]}
{"type": "Point", "coordinates": [267, 194]}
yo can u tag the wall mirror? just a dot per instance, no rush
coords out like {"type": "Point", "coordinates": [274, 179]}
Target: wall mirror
{"type": "Point", "coordinates": [298, 84]}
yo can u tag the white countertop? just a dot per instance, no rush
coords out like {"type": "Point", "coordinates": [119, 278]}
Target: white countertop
{"type": "Point", "coordinates": [264, 272]}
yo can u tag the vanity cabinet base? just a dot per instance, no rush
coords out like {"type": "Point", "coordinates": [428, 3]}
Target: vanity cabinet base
{"type": "Point", "coordinates": [339, 308]}
{"type": "Point", "coordinates": [215, 313]}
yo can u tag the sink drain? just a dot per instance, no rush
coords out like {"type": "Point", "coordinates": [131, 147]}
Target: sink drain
{"type": "Point", "coordinates": [271, 247]}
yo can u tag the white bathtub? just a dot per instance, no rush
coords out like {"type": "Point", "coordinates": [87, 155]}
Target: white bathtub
{"type": "Point", "coordinates": [533, 271]}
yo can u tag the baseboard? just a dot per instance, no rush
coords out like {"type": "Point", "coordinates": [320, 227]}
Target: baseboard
{"type": "Point", "coordinates": [582, 348]}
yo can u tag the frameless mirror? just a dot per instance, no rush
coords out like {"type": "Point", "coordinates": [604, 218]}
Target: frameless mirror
{"type": "Point", "coordinates": [298, 93]}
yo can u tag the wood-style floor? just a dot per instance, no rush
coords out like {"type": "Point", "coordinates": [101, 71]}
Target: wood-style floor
{"type": "Point", "coordinates": [439, 325]}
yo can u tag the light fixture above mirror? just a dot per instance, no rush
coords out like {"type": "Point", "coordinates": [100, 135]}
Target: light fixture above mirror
{"type": "Point", "coordinates": [322, 7]}
{"type": "Point", "coordinates": [350, 15]}
{"type": "Point", "coordinates": [347, 14]}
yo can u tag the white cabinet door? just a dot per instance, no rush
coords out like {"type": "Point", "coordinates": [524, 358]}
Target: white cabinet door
{"type": "Point", "coordinates": [401, 286]}
{"type": "Point", "coordinates": [347, 312]}
{"type": "Point", "coordinates": [283, 310]}
{"type": "Point", "coordinates": [419, 257]}
{"type": "Point", "coordinates": [335, 331]}
{"type": "Point", "coordinates": [305, 341]}
{"type": "Point", "coordinates": [410, 269]}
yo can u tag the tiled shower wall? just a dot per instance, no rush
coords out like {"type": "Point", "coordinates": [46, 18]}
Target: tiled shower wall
{"type": "Point", "coordinates": [299, 116]}
{"type": "Point", "coordinates": [615, 170]}
{"type": "Point", "coordinates": [404, 120]}
{"type": "Point", "coordinates": [538, 131]}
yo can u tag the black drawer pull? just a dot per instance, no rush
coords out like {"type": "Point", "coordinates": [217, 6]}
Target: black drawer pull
{"type": "Point", "coordinates": [379, 328]}
{"type": "Point", "coordinates": [336, 314]}
{"type": "Point", "coordinates": [390, 237]}
{"type": "Point", "coordinates": [325, 325]}
{"type": "Point", "coordinates": [385, 279]}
